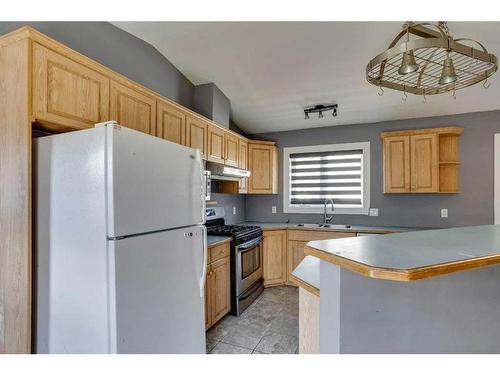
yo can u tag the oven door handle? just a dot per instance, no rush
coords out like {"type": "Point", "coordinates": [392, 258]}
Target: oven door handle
{"type": "Point", "coordinates": [249, 245]}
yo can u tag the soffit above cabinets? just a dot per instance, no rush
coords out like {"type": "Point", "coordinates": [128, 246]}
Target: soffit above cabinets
{"type": "Point", "coordinates": [271, 71]}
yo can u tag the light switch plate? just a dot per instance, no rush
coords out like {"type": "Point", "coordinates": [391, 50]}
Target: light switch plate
{"type": "Point", "coordinates": [234, 210]}
{"type": "Point", "coordinates": [373, 211]}
{"type": "Point", "coordinates": [444, 212]}
{"type": "Point", "coordinates": [273, 209]}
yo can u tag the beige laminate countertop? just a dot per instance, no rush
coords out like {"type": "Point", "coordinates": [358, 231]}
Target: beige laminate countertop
{"type": "Point", "coordinates": [217, 240]}
{"type": "Point", "coordinates": [334, 227]}
{"type": "Point", "coordinates": [306, 274]}
{"type": "Point", "coordinates": [413, 255]}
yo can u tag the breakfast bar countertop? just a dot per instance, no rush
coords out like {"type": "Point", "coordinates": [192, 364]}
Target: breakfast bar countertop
{"type": "Point", "coordinates": [413, 255]}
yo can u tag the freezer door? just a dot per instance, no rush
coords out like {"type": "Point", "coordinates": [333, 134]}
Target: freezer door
{"type": "Point", "coordinates": [159, 307]}
{"type": "Point", "coordinates": [152, 184]}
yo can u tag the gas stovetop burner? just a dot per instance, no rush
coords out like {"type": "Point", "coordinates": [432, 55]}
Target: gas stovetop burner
{"type": "Point", "coordinates": [239, 233]}
{"type": "Point", "coordinates": [231, 229]}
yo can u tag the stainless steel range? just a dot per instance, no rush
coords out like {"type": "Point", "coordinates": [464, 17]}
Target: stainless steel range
{"type": "Point", "coordinates": [246, 258]}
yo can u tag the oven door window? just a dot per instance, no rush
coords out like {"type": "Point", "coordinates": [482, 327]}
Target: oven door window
{"type": "Point", "coordinates": [250, 261]}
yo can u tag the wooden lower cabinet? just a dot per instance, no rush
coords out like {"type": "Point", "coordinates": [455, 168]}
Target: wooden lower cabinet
{"type": "Point", "coordinates": [275, 257]}
{"type": "Point", "coordinates": [218, 284]}
{"type": "Point", "coordinates": [295, 254]}
{"type": "Point", "coordinates": [298, 239]}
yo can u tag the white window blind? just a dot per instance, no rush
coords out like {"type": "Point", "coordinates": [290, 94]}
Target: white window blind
{"type": "Point", "coordinates": [338, 172]}
{"type": "Point", "coordinates": [333, 174]}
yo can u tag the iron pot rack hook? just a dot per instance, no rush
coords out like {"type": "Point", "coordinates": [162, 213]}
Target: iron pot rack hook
{"type": "Point", "coordinates": [380, 91]}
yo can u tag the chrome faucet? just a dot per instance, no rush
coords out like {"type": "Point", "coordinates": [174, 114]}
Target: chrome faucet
{"type": "Point", "coordinates": [327, 219]}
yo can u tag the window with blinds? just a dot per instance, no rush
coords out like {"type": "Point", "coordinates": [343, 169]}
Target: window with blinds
{"type": "Point", "coordinates": [331, 171]}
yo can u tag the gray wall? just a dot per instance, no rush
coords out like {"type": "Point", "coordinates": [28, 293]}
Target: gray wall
{"type": "Point", "coordinates": [473, 206]}
{"type": "Point", "coordinates": [235, 128]}
{"type": "Point", "coordinates": [222, 107]}
{"type": "Point", "coordinates": [203, 99]}
{"type": "Point", "coordinates": [119, 51]}
{"type": "Point", "coordinates": [228, 201]}
{"type": "Point", "coordinates": [211, 102]}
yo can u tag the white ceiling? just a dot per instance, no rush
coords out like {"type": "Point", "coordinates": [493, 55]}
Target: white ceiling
{"type": "Point", "coordinates": [270, 71]}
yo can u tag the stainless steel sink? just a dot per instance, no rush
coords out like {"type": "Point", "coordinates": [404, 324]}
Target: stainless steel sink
{"type": "Point", "coordinates": [329, 226]}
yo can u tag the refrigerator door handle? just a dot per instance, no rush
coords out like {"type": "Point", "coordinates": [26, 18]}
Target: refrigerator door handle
{"type": "Point", "coordinates": [205, 261]}
{"type": "Point", "coordinates": [202, 184]}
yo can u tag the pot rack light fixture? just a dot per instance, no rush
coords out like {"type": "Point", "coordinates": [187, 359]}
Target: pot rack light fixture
{"type": "Point", "coordinates": [319, 109]}
{"type": "Point", "coordinates": [430, 62]}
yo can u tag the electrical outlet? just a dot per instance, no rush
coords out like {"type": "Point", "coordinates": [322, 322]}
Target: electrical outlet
{"type": "Point", "coordinates": [444, 212]}
{"type": "Point", "coordinates": [273, 209]}
{"type": "Point", "coordinates": [234, 210]}
{"type": "Point", "coordinates": [373, 211]}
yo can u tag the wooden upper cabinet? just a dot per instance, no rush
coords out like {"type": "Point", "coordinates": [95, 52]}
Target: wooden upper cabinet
{"type": "Point", "coordinates": [215, 144]}
{"type": "Point", "coordinates": [231, 152]}
{"type": "Point", "coordinates": [132, 108]}
{"type": "Point", "coordinates": [243, 164]}
{"type": "Point", "coordinates": [263, 165]}
{"type": "Point", "coordinates": [274, 254]}
{"type": "Point", "coordinates": [170, 123]}
{"type": "Point", "coordinates": [67, 93]}
{"type": "Point", "coordinates": [197, 134]}
{"type": "Point", "coordinates": [397, 164]}
{"type": "Point", "coordinates": [421, 160]}
{"type": "Point", "coordinates": [424, 163]}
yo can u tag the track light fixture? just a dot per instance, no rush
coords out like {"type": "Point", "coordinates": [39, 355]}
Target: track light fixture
{"type": "Point", "coordinates": [319, 109]}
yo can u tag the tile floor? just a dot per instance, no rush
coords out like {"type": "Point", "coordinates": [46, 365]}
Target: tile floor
{"type": "Point", "coordinates": [269, 326]}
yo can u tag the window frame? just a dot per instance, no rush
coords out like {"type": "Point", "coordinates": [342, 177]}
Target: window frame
{"type": "Point", "coordinates": [365, 168]}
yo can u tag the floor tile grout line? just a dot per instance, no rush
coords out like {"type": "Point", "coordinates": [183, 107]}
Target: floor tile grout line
{"type": "Point", "coordinates": [239, 346]}
{"type": "Point", "coordinates": [216, 343]}
{"type": "Point", "coordinates": [259, 343]}
{"type": "Point", "coordinates": [279, 297]}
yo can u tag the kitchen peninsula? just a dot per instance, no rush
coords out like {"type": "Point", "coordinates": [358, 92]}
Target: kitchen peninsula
{"type": "Point", "coordinates": [417, 292]}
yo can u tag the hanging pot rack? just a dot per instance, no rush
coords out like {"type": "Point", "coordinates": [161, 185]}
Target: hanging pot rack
{"type": "Point", "coordinates": [431, 47]}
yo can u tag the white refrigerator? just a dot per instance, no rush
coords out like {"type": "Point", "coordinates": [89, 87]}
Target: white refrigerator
{"type": "Point", "coordinates": [120, 251]}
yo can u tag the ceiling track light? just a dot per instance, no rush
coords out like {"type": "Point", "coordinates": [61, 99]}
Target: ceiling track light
{"type": "Point", "coordinates": [319, 109]}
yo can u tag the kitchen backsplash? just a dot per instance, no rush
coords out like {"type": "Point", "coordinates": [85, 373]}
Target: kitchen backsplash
{"type": "Point", "coordinates": [230, 201]}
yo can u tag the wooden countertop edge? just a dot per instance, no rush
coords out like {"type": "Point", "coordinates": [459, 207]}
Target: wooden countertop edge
{"type": "Point", "coordinates": [303, 284]}
{"type": "Point", "coordinates": [220, 242]}
{"type": "Point", "coordinates": [404, 274]}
